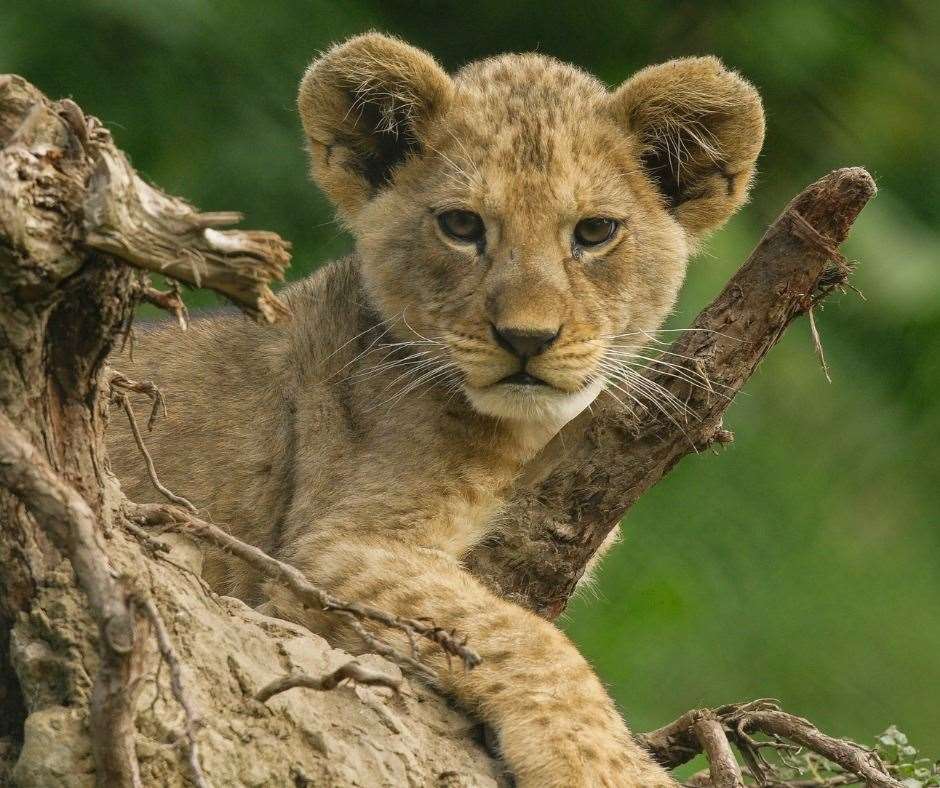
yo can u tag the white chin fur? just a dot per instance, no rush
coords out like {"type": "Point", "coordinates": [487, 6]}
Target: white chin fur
{"type": "Point", "coordinates": [533, 403]}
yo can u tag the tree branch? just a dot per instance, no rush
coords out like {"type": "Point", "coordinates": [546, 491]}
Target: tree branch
{"type": "Point", "coordinates": [589, 476]}
{"type": "Point", "coordinates": [699, 730]}
{"type": "Point", "coordinates": [722, 766]}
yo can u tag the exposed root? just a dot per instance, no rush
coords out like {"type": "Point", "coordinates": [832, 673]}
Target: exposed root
{"type": "Point", "coordinates": [72, 526]}
{"type": "Point", "coordinates": [190, 714]}
{"type": "Point", "coordinates": [351, 671]}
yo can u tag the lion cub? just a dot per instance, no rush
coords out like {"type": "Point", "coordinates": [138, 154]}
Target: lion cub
{"type": "Point", "coordinates": [516, 225]}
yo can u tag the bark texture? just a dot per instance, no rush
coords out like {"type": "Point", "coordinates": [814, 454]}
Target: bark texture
{"type": "Point", "coordinates": [117, 666]}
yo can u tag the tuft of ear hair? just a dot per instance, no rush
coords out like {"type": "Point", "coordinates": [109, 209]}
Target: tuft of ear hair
{"type": "Point", "coordinates": [365, 105]}
{"type": "Point", "coordinates": [700, 128]}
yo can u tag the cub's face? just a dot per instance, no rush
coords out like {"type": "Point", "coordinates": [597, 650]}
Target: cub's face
{"type": "Point", "coordinates": [520, 226]}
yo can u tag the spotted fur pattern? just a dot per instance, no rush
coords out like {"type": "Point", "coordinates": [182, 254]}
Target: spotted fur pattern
{"type": "Point", "coordinates": [370, 440]}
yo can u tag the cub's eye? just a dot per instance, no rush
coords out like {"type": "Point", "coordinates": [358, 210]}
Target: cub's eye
{"type": "Point", "coordinates": [594, 231]}
{"type": "Point", "coordinates": [463, 226]}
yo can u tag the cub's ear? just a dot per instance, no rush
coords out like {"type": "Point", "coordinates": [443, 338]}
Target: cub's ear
{"type": "Point", "coordinates": [700, 128]}
{"type": "Point", "coordinates": [365, 106]}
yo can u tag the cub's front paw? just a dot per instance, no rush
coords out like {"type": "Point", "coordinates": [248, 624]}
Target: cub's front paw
{"type": "Point", "coordinates": [584, 761]}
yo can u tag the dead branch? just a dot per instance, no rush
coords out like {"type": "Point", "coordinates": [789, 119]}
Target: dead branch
{"type": "Point", "coordinates": [722, 766]}
{"type": "Point", "coordinates": [680, 741]}
{"type": "Point", "coordinates": [589, 476]}
{"type": "Point", "coordinates": [311, 596]}
{"type": "Point", "coordinates": [351, 671]}
{"type": "Point", "coordinates": [850, 756]}
{"type": "Point", "coordinates": [123, 216]}
{"type": "Point", "coordinates": [72, 526]}
{"type": "Point", "coordinates": [128, 218]}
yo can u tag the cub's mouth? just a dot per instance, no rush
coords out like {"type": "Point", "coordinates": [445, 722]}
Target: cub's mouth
{"type": "Point", "coordinates": [523, 379]}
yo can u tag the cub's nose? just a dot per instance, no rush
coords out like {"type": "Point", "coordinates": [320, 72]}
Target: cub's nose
{"type": "Point", "coordinates": [525, 342]}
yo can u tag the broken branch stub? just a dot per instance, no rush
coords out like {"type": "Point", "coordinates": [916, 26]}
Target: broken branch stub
{"type": "Point", "coordinates": [128, 218]}
{"type": "Point", "coordinates": [588, 477]}
{"type": "Point", "coordinates": [116, 211]}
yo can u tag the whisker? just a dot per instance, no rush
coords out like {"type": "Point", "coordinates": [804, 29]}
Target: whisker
{"type": "Point", "coordinates": [650, 387]}
{"type": "Point", "coordinates": [694, 384]}
{"type": "Point", "coordinates": [385, 366]}
{"type": "Point", "coordinates": [653, 332]}
{"type": "Point", "coordinates": [426, 378]}
{"type": "Point", "coordinates": [654, 396]}
{"type": "Point", "coordinates": [359, 355]}
{"type": "Point", "coordinates": [418, 369]}
{"type": "Point", "coordinates": [692, 377]}
{"type": "Point", "coordinates": [418, 333]}
{"type": "Point", "coordinates": [659, 406]}
{"type": "Point", "coordinates": [361, 333]}
{"type": "Point", "coordinates": [633, 348]}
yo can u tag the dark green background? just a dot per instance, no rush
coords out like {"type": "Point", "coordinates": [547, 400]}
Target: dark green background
{"type": "Point", "coordinates": [802, 562]}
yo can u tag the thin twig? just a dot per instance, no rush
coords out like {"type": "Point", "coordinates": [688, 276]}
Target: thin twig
{"type": "Point", "coordinates": [817, 343]}
{"type": "Point", "coordinates": [351, 671]}
{"type": "Point", "coordinates": [190, 714]}
{"type": "Point", "coordinates": [171, 301]}
{"type": "Point", "coordinates": [680, 741]}
{"type": "Point", "coordinates": [121, 399]}
{"type": "Point", "coordinates": [850, 756]}
{"type": "Point", "coordinates": [148, 387]}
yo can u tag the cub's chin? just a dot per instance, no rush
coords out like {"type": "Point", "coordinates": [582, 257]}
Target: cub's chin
{"type": "Point", "coordinates": [522, 399]}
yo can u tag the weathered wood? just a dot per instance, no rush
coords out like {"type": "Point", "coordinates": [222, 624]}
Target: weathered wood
{"type": "Point", "coordinates": [127, 217]}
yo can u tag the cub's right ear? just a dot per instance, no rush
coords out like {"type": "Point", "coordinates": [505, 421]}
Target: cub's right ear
{"type": "Point", "coordinates": [700, 128]}
{"type": "Point", "coordinates": [366, 105]}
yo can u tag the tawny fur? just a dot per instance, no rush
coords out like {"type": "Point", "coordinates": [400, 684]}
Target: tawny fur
{"type": "Point", "coordinates": [368, 440]}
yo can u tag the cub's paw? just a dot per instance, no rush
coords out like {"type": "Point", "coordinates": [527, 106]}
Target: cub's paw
{"type": "Point", "coordinates": [585, 763]}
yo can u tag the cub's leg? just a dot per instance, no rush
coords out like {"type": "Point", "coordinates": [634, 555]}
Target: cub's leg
{"type": "Point", "coordinates": [556, 724]}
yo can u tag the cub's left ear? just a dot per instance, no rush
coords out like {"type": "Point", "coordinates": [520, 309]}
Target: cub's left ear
{"type": "Point", "coordinates": [699, 128]}
{"type": "Point", "coordinates": [365, 105]}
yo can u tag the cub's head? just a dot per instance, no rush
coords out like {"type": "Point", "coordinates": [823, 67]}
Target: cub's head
{"type": "Point", "coordinates": [523, 226]}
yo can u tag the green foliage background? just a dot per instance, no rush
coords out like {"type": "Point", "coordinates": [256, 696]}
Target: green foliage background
{"type": "Point", "coordinates": [802, 562]}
